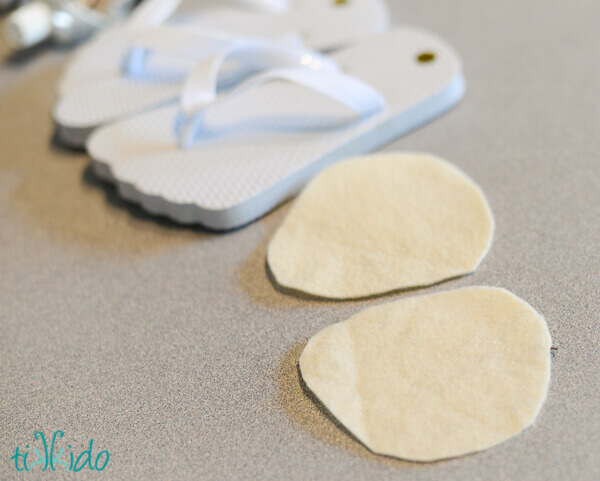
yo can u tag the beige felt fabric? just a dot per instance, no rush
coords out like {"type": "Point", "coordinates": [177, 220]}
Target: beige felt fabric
{"type": "Point", "coordinates": [380, 223]}
{"type": "Point", "coordinates": [435, 376]}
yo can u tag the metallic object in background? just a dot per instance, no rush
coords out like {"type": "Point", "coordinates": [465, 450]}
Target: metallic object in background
{"type": "Point", "coordinates": [6, 4]}
{"type": "Point", "coordinates": [63, 21]}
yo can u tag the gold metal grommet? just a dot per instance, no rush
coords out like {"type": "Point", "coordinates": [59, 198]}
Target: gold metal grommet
{"type": "Point", "coordinates": [426, 57]}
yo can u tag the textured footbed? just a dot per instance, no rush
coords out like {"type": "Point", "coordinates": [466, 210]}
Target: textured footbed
{"type": "Point", "coordinates": [270, 139]}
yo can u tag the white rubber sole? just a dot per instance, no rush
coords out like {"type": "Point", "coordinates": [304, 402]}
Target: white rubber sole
{"type": "Point", "coordinates": [260, 205]}
{"type": "Point", "coordinates": [235, 184]}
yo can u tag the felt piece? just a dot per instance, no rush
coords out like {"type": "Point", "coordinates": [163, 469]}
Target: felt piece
{"type": "Point", "coordinates": [380, 223]}
{"type": "Point", "coordinates": [436, 376]}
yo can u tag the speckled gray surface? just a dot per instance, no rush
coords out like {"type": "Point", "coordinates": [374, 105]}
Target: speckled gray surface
{"type": "Point", "coordinates": [172, 349]}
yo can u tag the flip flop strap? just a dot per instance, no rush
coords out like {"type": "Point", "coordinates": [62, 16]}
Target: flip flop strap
{"type": "Point", "coordinates": [195, 44]}
{"type": "Point", "coordinates": [362, 99]}
{"type": "Point", "coordinates": [200, 87]}
{"type": "Point", "coordinates": [156, 12]}
{"type": "Point", "coordinates": [200, 44]}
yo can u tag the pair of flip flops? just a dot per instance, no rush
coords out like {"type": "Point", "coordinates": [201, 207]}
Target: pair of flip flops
{"type": "Point", "coordinates": [204, 121]}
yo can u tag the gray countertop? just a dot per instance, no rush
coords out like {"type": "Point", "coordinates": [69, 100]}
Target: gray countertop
{"type": "Point", "coordinates": [170, 347]}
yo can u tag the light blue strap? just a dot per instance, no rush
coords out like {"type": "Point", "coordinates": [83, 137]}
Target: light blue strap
{"type": "Point", "coordinates": [253, 55]}
{"type": "Point", "coordinates": [194, 44]}
{"type": "Point", "coordinates": [359, 97]}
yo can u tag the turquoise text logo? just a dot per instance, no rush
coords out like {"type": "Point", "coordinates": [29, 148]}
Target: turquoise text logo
{"type": "Point", "coordinates": [44, 456]}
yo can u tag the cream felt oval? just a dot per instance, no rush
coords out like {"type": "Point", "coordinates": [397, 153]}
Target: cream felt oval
{"type": "Point", "coordinates": [435, 376]}
{"type": "Point", "coordinates": [376, 224]}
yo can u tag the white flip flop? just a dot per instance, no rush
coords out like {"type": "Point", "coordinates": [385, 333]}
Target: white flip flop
{"type": "Point", "coordinates": [145, 85]}
{"type": "Point", "coordinates": [321, 24]}
{"type": "Point", "coordinates": [227, 163]}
